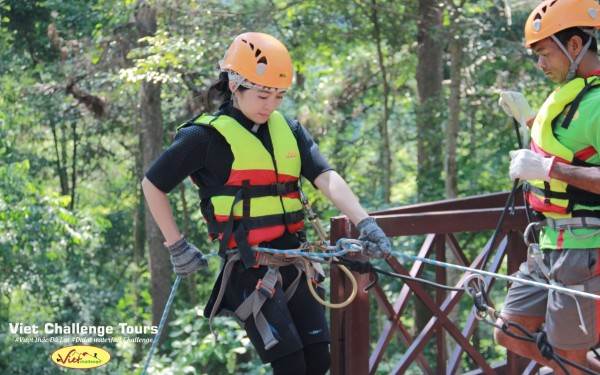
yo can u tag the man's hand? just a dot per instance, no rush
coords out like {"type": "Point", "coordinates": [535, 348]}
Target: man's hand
{"type": "Point", "coordinates": [527, 165]}
{"type": "Point", "coordinates": [516, 106]}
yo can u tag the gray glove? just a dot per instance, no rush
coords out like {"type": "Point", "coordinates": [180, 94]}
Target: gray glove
{"type": "Point", "coordinates": [186, 258]}
{"type": "Point", "coordinates": [375, 242]}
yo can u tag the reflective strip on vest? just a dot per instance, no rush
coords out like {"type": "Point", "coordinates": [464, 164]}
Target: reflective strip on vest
{"type": "Point", "coordinates": [253, 163]}
{"type": "Point", "coordinates": [544, 142]}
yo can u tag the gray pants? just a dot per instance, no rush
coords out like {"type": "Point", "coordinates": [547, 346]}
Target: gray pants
{"type": "Point", "coordinates": [570, 322]}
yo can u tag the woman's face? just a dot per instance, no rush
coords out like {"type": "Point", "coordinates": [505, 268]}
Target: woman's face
{"type": "Point", "coordinates": [257, 104]}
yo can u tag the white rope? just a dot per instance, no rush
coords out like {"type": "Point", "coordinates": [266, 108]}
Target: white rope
{"type": "Point", "coordinates": [556, 288]}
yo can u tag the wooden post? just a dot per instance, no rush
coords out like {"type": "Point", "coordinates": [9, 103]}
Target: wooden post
{"type": "Point", "coordinates": [440, 296]}
{"type": "Point", "coordinates": [349, 326]}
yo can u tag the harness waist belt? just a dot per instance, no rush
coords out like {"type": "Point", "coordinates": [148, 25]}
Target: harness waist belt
{"type": "Point", "coordinates": [575, 222]}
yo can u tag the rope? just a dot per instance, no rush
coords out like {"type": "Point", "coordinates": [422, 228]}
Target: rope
{"type": "Point", "coordinates": [367, 267]}
{"type": "Point", "coordinates": [332, 305]}
{"type": "Point", "coordinates": [513, 279]}
{"type": "Point", "coordinates": [342, 247]}
{"type": "Point", "coordinates": [161, 325]}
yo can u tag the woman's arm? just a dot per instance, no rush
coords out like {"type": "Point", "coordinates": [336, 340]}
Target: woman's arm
{"type": "Point", "coordinates": [161, 212]}
{"type": "Point", "coordinates": [375, 242]}
{"type": "Point", "coordinates": [338, 192]}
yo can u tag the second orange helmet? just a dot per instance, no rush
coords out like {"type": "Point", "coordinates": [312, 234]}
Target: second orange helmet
{"type": "Point", "coordinates": [552, 16]}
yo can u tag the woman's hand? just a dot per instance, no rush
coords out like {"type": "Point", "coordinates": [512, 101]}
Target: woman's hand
{"type": "Point", "coordinates": [375, 242]}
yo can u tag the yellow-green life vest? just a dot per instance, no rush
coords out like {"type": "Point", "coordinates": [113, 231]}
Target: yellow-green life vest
{"type": "Point", "coordinates": [556, 199]}
{"type": "Point", "coordinates": [260, 199]}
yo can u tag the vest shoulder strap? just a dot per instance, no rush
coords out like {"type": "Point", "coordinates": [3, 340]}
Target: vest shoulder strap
{"type": "Point", "coordinates": [201, 119]}
{"type": "Point", "coordinates": [592, 84]}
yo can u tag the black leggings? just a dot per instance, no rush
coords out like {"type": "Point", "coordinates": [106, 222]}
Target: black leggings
{"type": "Point", "coordinates": [313, 359]}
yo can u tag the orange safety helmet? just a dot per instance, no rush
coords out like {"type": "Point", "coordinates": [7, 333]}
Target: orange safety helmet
{"type": "Point", "coordinates": [552, 16]}
{"type": "Point", "coordinates": [260, 59]}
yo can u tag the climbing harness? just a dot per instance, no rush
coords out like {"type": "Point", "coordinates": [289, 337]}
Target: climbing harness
{"type": "Point", "coordinates": [307, 259]}
{"type": "Point", "coordinates": [565, 224]}
{"type": "Point", "coordinates": [485, 309]}
{"type": "Point", "coordinates": [306, 262]}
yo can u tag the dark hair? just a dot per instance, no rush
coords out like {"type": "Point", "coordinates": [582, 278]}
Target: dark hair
{"type": "Point", "coordinates": [220, 90]}
{"type": "Point", "coordinates": [565, 35]}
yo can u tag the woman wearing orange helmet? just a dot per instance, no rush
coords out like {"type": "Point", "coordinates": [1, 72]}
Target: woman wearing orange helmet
{"type": "Point", "coordinates": [247, 159]}
{"type": "Point", "coordinates": [562, 180]}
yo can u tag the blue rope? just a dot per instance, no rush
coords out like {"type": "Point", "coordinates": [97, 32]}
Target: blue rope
{"type": "Point", "coordinates": [313, 254]}
{"type": "Point", "coordinates": [343, 247]}
{"type": "Point", "coordinates": [161, 325]}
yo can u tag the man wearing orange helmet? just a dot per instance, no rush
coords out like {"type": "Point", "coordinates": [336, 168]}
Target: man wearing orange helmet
{"type": "Point", "coordinates": [562, 181]}
{"type": "Point", "coordinates": [246, 160]}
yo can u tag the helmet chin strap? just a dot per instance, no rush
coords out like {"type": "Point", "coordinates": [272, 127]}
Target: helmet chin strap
{"type": "Point", "coordinates": [574, 64]}
{"type": "Point", "coordinates": [236, 79]}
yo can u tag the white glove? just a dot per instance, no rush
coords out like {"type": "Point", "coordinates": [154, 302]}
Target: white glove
{"type": "Point", "coordinates": [527, 165]}
{"type": "Point", "coordinates": [515, 105]}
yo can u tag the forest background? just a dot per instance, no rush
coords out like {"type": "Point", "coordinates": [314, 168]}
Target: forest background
{"type": "Point", "coordinates": [401, 97]}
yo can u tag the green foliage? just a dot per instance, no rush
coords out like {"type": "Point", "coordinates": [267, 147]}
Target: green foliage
{"type": "Point", "coordinates": [69, 179]}
{"type": "Point", "coordinates": [195, 350]}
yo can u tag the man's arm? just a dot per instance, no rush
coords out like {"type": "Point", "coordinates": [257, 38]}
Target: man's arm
{"type": "Point", "coordinates": [584, 178]}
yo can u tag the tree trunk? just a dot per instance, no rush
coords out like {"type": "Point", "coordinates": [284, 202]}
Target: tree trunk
{"type": "Point", "coordinates": [73, 165]}
{"type": "Point", "coordinates": [151, 145]}
{"type": "Point", "coordinates": [60, 168]}
{"type": "Point", "coordinates": [385, 155]}
{"type": "Point", "coordinates": [139, 239]}
{"type": "Point", "coordinates": [429, 86]}
{"type": "Point", "coordinates": [429, 140]}
{"type": "Point", "coordinates": [456, 56]}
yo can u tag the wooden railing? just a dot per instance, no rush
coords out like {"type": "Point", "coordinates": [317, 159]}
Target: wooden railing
{"type": "Point", "coordinates": [439, 222]}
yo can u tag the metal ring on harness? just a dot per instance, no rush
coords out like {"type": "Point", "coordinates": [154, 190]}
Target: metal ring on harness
{"type": "Point", "coordinates": [480, 283]}
{"type": "Point", "coordinates": [475, 286]}
{"type": "Point", "coordinates": [528, 229]}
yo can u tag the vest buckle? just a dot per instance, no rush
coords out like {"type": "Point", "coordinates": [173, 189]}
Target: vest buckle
{"type": "Point", "coordinates": [280, 189]}
{"type": "Point", "coordinates": [265, 290]}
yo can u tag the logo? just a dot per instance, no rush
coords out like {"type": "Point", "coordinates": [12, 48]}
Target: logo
{"type": "Point", "coordinates": [291, 155]}
{"type": "Point", "coordinates": [261, 61]}
{"type": "Point", "coordinates": [80, 357]}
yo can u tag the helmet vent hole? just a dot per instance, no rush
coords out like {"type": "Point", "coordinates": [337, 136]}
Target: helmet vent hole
{"type": "Point", "coordinates": [257, 52]}
{"type": "Point", "coordinates": [260, 69]}
{"type": "Point", "coordinates": [544, 8]}
{"type": "Point", "coordinates": [552, 3]}
{"type": "Point", "coordinates": [537, 17]}
{"type": "Point", "coordinates": [251, 46]}
{"type": "Point", "coordinates": [262, 60]}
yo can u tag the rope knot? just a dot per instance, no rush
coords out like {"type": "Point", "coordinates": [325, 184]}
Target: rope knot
{"type": "Point", "coordinates": [541, 340]}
